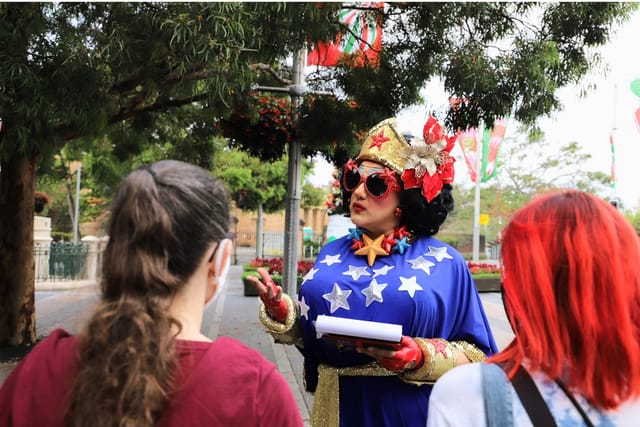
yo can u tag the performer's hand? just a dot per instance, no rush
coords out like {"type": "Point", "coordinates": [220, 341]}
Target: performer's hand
{"type": "Point", "coordinates": [409, 356]}
{"type": "Point", "coordinates": [270, 294]}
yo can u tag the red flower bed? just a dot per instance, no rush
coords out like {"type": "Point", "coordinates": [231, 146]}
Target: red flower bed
{"type": "Point", "coordinates": [483, 268]}
{"type": "Point", "coordinates": [275, 265]}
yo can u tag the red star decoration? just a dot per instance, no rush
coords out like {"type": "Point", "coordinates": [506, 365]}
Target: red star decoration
{"type": "Point", "coordinates": [388, 243]}
{"type": "Point", "coordinates": [402, 232]}
{"type": "Point", "coordinates": [440, 347]}
{"type": "Point", "coordinates": [378, 140]}
{"type": "Point", "coordinates": [357, 244]}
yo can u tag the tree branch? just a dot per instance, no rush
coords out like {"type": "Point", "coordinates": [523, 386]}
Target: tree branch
{"type": "Point", "coordinates": [129, 112]}
{"type": "Point", "coordinates": [274, 73]}
{"type": "Point", "coordinates": [68, 133]}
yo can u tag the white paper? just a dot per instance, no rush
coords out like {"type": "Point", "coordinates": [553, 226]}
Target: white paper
{"type": "Point", "coordinates": [358, 328]}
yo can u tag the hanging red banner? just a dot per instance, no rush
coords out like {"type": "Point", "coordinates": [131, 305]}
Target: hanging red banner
{"type": "Point", "coordinates": [361, 43]}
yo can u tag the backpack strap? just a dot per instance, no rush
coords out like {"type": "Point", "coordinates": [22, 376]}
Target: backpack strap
{"type": "Point", "coordinates": [531, 399]}
{"type": "Point", "coordinates": [583, 414]}
{"type": "Point", "coordinates": [497, 396]}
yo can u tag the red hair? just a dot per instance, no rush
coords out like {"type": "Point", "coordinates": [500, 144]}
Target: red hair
{"type": "Point", "coordinates": [572, 293]}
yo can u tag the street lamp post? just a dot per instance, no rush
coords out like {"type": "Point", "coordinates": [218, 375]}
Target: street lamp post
{"type": "Point", "coordinates": [292, 212]}
{"type": "Point", "coordinates": [296, 91]}
{"type": "Point", "coordinates": [76, 217]}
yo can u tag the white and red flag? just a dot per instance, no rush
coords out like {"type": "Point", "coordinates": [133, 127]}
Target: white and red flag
{"type": "Point", "coordinates": [471, 142]}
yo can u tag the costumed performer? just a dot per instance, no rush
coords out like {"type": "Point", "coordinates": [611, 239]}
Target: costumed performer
{"type": "Point", "coordinates": [389, 269]}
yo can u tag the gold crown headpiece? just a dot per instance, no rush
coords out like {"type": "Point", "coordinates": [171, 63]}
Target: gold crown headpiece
{"type": "Point", "coordinates": [384, 144]}
{"type": "Point", "coordinates": [424, 163]}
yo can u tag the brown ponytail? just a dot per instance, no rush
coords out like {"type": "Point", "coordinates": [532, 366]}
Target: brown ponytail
{"type": "Point", "coordinates": [164, 217]}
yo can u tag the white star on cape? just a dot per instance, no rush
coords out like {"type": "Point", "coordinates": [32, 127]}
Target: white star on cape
{"type": "Point", "coordinates": [421, 264]}
{"type": "Point", "coordinates": [410, 285]}
{"type": "Point", "coordinates": [337, 298]}
{"type": "Point", "coordinates": [356, 272]}
{"type": "Point", "coordinates": [374, 292]}
{"type": "Point", "coordinates": [331, 259]}
{"type": "Point", "coordinates": [309, 275]}
{"type": "Point", "coordinates": [304, 308]}
{"type": "Point", "coordinates": [439, 253]}
{"type": "Point", "coordinates": [382, 271]}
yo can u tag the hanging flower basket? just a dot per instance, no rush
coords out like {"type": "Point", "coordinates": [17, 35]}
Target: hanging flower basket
{"type": "Point", "coordinates": [263, 125]}
{"type": "Point", "coordinates": [40, 200]}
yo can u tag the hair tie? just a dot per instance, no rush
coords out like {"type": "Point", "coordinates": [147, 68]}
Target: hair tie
{"type": "Point", "coordinates": [151, 172]}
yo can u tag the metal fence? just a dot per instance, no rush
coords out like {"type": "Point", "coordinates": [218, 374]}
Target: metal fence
{"type": "Point", "coordinates": [273, 243]}
{"type": "Point", "coordinates": [60, 261]}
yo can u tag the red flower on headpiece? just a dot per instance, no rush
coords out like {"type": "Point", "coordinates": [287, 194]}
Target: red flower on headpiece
{"type": "Point", "coordinates": [432, 131]}
{"type": "Point", "coordinates": [431, 186]}
{"type": "Point", "coordinates": [448, 171]}
{"type": "Point", "coordinates": [429, 164]}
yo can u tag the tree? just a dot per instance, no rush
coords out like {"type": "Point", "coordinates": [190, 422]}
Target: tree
{"type": "Point", "coordinates": [75, 72]}
{"type": "Point", "coordinates": [533, 165]}
{"type": "Point", "coordinates": [255, 185]}
{"type": "Point", "coordinates": [252, 182]}
{"type": "Point", "coordinates": [312, 196]}
{"type": "Point", "coordinates": [529, 164]}
{"type": "Point", "coordinates": [634, 219]}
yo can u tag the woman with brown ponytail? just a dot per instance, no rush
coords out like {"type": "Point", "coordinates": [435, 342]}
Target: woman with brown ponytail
{"type": "Point", "coordinates": [142, 360]}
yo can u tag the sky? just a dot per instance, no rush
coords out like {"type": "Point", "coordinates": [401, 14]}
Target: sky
{"type": "Point", "coordinates": [588, 120]}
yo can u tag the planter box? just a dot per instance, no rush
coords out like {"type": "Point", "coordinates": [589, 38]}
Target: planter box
{"type": "Point", "coordinates": [487, 284]}
{"type": "Point", "coordinates": [249, 289]}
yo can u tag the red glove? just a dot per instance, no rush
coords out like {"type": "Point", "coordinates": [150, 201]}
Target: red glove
{"type": "Point", "coordinates": [409, 356]}
{"type": "Point", "coordinates": [271, 296]}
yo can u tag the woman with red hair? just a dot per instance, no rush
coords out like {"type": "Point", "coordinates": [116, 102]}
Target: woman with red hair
{"type": "Point", "coordinates": [571, 291]}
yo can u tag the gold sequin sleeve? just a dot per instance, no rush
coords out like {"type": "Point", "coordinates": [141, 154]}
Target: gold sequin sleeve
{"type": "Point", "coordinates": [439, 357]}
{"type": "Point", "coordinates": [473, 353]}
{"type": "Point", "coordinates": [289, 332]}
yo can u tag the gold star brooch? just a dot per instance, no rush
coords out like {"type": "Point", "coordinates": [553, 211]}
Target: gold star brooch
{"type": "Point", "coordinates": [372, 248]}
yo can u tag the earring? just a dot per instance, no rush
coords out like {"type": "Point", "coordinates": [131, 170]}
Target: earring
{"type": "Point", "coordinates": [398, 212]}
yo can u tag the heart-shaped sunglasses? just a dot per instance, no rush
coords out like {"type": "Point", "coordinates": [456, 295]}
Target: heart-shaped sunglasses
{"type": "Point", "coordinates": [377, 184]}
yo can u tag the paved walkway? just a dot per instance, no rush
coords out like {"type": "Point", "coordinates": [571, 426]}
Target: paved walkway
{"type": "Point", "coordinates": [68, 304]}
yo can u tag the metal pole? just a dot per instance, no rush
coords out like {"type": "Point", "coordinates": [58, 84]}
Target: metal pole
{"type": "Point", "coordinates": [476, 202]}
{"type": "Point", "coordinates": [612, 184]}
{"type": "Point", "coordinates": [76, 217]}
{"type": "Point", "coordinates": [259, 234]}
{"type": "Point", "coordinates": [292, 212]}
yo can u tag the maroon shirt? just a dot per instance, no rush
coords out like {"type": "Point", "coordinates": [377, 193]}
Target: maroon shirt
{"type": "Point", "coordinates": [223, 383]}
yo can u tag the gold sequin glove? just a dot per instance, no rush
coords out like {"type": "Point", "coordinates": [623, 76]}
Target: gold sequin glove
{"type": "Point", "coordinates": [289, 332]}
